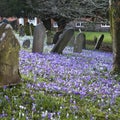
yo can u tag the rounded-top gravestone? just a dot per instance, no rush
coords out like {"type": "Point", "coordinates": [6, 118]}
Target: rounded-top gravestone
{"type": "Point", "coordinates": [38, 39]}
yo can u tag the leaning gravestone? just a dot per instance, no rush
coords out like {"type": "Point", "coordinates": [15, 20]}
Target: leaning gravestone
{"type": "Point", "coordinates": [38, 39]}
{"type": "Point", "coordinates": [26, 43]}
{"type": "Point", "coordinates": [99, 42]}
{"type": "Point", "coordinates": [71, 42]}
{"type": "Point", "coordinates": [9, 56]}
{"type": "Point", "coordinates": [95, 39]}
{"type": "Point", "coordinates": [63, 40]}
{"type": "Point", "coordinates": [80, 42]}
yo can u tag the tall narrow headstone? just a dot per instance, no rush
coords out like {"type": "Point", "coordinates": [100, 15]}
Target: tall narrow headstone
{"type": "Point", "coordinates": [99, 42]}
{"type": "Point", "coordinates": [38, 39]}
{"type": "Point", "coordinates": [21, 30]}
{"type": "Point", "coordinates": [63, 40]}
{"type": "Point", "coordinates": [9, 56]}
{"type": "Point", "coordinates": [95, 39]}
{"type": "Point", "coordinates": [79, 42]}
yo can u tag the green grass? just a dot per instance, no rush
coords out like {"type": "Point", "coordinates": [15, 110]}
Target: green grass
{"type": "Point", "coordinates": [91, 35]}
{"type": "Point", "coordinates": [107, 41]}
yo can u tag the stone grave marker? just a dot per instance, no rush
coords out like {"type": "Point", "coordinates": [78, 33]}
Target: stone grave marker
{"type": "Point", "coordinates": [21, 30]}
{"type": "Point", "coordinates": [71, 42]}
{"type": "Point", "coordinates": [26, 43]}
{"type": "Point", "coordinates": [95, 39]}
{"type": "Point", "coordinates": [99, 42]}
{"type": "Point", "coordinates": [83, 37]}
{"type": "Point", "coordinates": [63, 40]}
{"type": "Point", "coordinates": [56, 36]}
{"type": "Point", "coordinates": [38, 38]}
{"type": "Point", "coordinates": [9, 56]}
{"type": "Point", "coordinates": [80, 42]}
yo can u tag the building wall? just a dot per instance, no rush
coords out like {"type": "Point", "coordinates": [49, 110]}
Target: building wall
{"type": "Point", "coordinates": [91, 26]}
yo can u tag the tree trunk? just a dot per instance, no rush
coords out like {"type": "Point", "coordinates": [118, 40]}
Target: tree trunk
{"type": "Point", "coordinates": [115, 31]}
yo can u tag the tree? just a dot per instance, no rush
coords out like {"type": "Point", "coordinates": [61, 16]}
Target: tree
{"type": "Point", "coordinates": [16, 8]}
{"type": "Point", "coordinates": [115, 32]}
{"type": "Point", "coordinates": [57, 9]}
{"type": "Point", "coordinates": [68, 9]}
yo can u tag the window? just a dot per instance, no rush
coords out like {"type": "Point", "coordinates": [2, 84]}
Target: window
{"type": "Point", "coordinates": [80, 24]}
{"type": "Point", "coordinates": [105, 25]}
{"type": "Point", "coordinates": [55, 25]}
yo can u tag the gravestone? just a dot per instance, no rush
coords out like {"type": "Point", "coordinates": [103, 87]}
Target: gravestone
{"type": "Point", "coordinates": [63, 40]}
{"type": "Point", "coordinates": [38, 38]}
{"type": "Point", "coordinates": [83, 37]}
{"type": "Point", "coordinates": [71, 42]}
{"type": "Point", "coordinates": [95, 40]}
{"type": "Point", "coordinates": [21, 30]}
{"type": "Point", "coordinates": [9, 56]}
{"type": "Point", "coordinates": [56, 37]}
{"type": "Point", "coordinates": [99, 42]}
{"type": "Point", "coordinates": [79, 42]}
{"type": "Point", "coordinates": [26, 43]}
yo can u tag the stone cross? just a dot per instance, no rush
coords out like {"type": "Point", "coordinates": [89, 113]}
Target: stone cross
{"type": "Point", "coordinates": [38, 38]}
{"type": "Point", "coordinates": [9, 56]}
{"type": "Point", "coordinates": [63, 40]}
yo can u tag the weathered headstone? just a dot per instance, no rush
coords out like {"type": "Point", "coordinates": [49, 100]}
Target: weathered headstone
{"type": "Point", "coordinates": [64, 38]}
{"type": "Point", "coordinates": [99, 42]}
{"type": "Point", "coordinates": [26, 43]}
{"type": "Point", "coordinates": [56, 36]}
{"type": "Point", "coordinates": [95, 39]}
{"type": "Point", "coordinates": [38, 39]}
{"type": "Point", "coordinates": [83, 37]}
{"type": "Point", "coordinates": [71, 42]}
{"type": "Point", "coordinates": [9, 56]}
{"type": "Point", "coordinates": [21, 30]}
{"type": "Point", "coordinates": [79, 42]}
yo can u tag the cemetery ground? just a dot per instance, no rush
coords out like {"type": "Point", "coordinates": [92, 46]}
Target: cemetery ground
{"type": "Point", "coordinates": [90, 40]}
{"type": "Point", "coordinates": [91, 35]}
{"type": "Point", "coordinates": [107, 41]}
{"type": "Point", "coordinates": [69, 86]}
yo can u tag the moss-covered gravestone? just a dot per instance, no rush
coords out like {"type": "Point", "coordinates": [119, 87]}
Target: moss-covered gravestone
{"type": "Point", "coordinates": [9, 56]}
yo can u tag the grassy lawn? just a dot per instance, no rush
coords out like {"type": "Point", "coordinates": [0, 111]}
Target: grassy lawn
{"type": "Point", "coordinates": [91, 35]}
{"type": "Point", "coordinates": [107, 41]}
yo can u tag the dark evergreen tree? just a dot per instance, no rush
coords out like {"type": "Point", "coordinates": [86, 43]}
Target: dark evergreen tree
{"type": "Point", "coordinates": [16, 8]}
{"type": "Point", "coordinates": [69, 9]}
